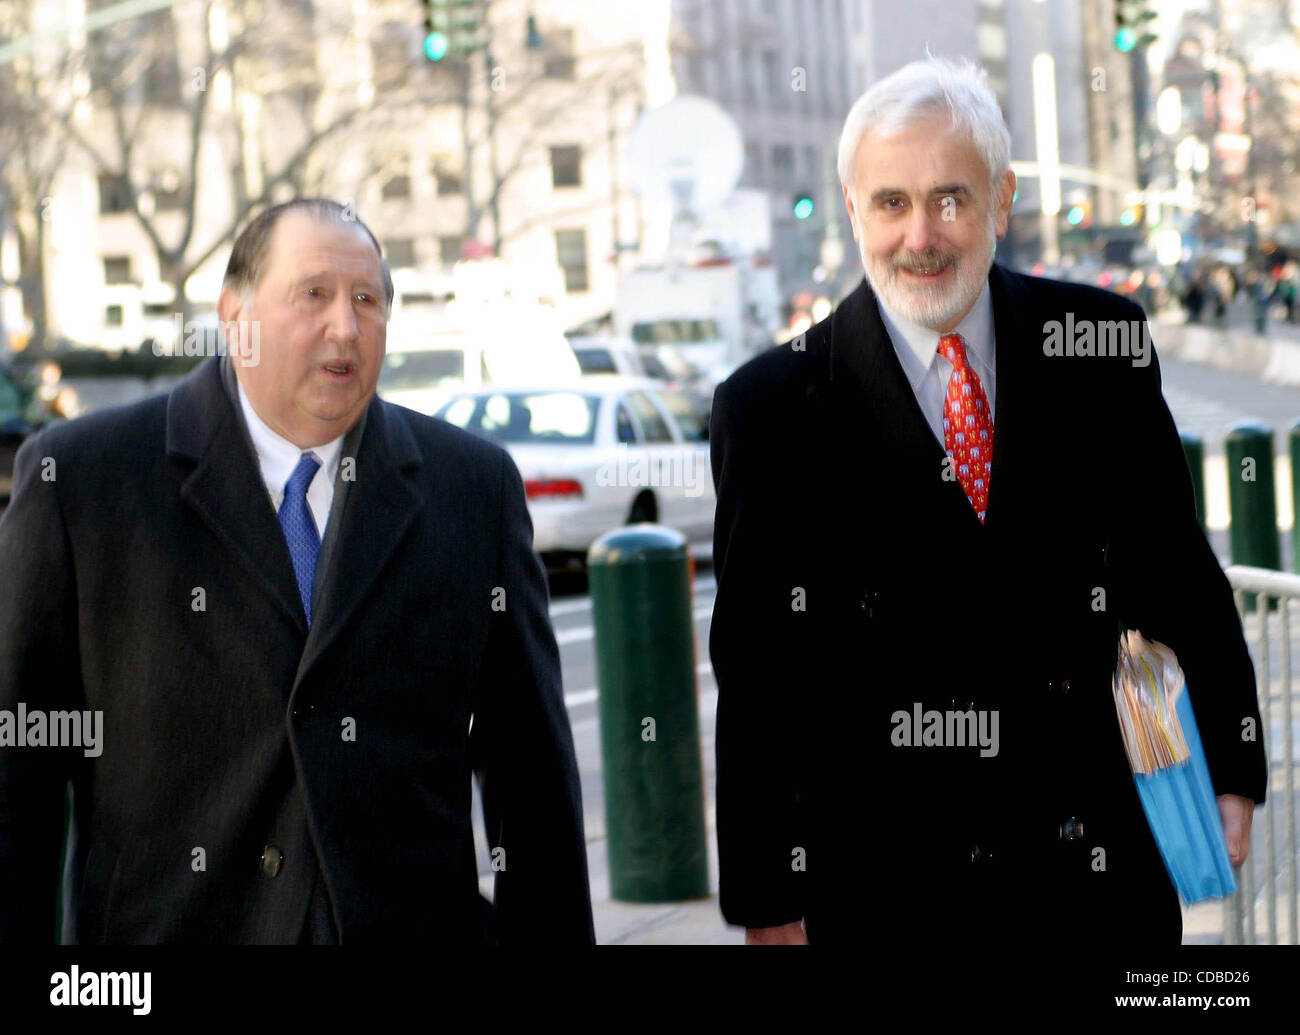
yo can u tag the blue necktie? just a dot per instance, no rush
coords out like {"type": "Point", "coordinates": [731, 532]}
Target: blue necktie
{"type": "Point", "coordinates": [299, 528]}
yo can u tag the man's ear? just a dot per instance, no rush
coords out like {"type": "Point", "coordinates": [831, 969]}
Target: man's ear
{"type": "Point", "coordinates": [1006, 191]}
{"type": "Point", "coordinates": [228, 305]}
{"type": "Point", "coordinates": [230, 310]}
{"type": "Point", "coordinates": [848, 204]}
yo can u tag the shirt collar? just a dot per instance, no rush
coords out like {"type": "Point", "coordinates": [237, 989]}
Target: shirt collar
{"type": "Point", "coordinates": [922, 343]}
{"type": "Point", "coordinates": [278, 456]}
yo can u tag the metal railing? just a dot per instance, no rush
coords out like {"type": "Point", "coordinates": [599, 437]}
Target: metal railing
{"type": "Point", "coordinates": [1243, 912]}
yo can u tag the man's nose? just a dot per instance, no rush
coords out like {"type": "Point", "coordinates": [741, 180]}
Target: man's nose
{"type": "Point", "coordinates": [922, 231]}
{"type": "Point", "coordinates": [343, 325]}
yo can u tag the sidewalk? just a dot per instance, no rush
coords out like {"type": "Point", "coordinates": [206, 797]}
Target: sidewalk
{"type": "Point", "coordinates": [695, 922]}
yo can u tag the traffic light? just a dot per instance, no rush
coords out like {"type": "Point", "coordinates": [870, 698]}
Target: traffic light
{"type": "Point", "coordinates": [1080, 215]}
{"type": "Point", "coordinates": [803, 205]}
{"type": "Point", "coordinates": [451, 29]}
{"type": "Point", "coordinates": [1131, 216]}
{"type": "Point", "coordinates": [1131, 24]}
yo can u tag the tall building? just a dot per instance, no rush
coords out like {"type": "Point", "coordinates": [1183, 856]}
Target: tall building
{"type": "Point", "coordinates": [515, 151]}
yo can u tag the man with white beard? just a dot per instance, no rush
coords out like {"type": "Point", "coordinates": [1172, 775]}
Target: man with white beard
{"type": "Point", "coordinates": [920, 507]}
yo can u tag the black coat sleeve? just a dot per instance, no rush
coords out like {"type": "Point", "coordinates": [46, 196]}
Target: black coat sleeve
{"type": "Point", "coordinates": [522, 747]}
{"type": "Point", "coordinates": [1172, 589]}
{"type": "Point", "coordinates": [755, 646]}
{"type": "Point", "coordinates": [39, 668]}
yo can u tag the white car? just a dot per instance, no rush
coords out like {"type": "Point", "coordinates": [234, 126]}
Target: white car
{"type": "Point", "coordinates": [604, 355]}
{"type": "Point", "coordinates": [598, 454]}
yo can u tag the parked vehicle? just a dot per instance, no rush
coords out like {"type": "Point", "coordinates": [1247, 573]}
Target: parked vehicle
{"type": "Point", "coordinates": [607, 355]}
{"type": "Point", "coordinates": [423, 372]}
{"type": "Point", "coordinates": [597, 454]}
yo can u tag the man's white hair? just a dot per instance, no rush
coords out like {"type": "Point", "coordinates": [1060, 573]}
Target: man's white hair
{"type": "Point", "coordinates": [925, 88]}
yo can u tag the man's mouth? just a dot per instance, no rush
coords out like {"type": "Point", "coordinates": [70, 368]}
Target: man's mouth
{"type": "Point", "coordinates": [339, 368]}
{"type": "Point", "coordinates": [927, 272]}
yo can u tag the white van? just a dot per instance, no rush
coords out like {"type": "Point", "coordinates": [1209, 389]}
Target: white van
{"type": "Point", "coordinates": [422, 370]}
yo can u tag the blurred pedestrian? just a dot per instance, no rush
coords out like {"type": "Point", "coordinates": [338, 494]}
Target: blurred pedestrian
{"type": "Point", "coordinates": [1285, 290]}
{"type": "Point", "coordinates": [1259, 296]}
{"type": "Point", "coordinates": [1194, 297]}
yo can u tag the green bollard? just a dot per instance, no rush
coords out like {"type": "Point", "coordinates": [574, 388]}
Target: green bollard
{"type": "Point", "coordinates": [1252, 499]}
{"type": "Point", "coordinates": [1293, 448]}
{"type": "Point", "coordinates": [1194, 451]}
{"type": "Point", "coordinates": [649, 715]}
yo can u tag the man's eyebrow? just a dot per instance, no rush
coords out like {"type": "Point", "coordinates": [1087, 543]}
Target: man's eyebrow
{"type": "Point", "coordinates": [365, 282]}
{"type": "Point", "coordinates": [947, 188]}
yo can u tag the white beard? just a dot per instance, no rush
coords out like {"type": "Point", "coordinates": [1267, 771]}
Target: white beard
{"type": "Point", "coordinates": [935, 307]}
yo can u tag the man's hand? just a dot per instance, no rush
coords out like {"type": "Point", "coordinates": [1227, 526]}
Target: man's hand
{"type": "Point", "coordinates": [786, 934]}
{"type": "Point", "coordinates": [1236, 813]}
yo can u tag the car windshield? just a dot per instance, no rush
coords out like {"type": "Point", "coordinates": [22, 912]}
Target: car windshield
{"type": "Point", "coordinates": [691, 417]}
{"type": "Point", "coordinates": [655, 369]}
{"type": "Point", "coordinates": [675, 332]}
{"type": "Point", "coordinates": [566, 418]}
{"type": "Point", "coordinates": [428, 368]}
{"type": "Point", "coordinates": [596, 361]}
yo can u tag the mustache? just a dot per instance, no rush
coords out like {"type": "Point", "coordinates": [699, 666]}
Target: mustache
{"type": "Point", "coordinates": [930, 260]}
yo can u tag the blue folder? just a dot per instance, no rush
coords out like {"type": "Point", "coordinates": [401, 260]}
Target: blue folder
{"type": "Point", "coordinates": [1184, 817]}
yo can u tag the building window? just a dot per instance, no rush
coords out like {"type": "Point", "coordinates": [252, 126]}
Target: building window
{"type": "Point", "coordinates": [571, 253]}
{"type": "Point", "coordinates": [782, 162]}
{"type": "Point", "coordinates": [753, 173]}
{"type": "Point", "coordinates": [397, 187]}
{"type": "Point", "coordinates": [449, 250]}
{"type": "Point", "coordinates": [559, 54]}
{"type": "Point", "coordinates": [117, 269]}
{"type": "Point", "coordinates": [400, 251]}
{"type": "Point", "coordinates": [776, 89]}
{"type": "Point", "coordinates": [748, 77]}
{"type": "Point", "coordinates": [566, 166]}
{"type": "Point", "coordinates": [114, 194]}
{"type": "Point", "coordinates": [113, 316]}
{"type": "Point", "coordinates": [448, 182]}
{"type": "Point", "coordinates": [812, 164]}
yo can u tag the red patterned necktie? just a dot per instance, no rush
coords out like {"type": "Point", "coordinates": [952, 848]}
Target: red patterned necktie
{"type": "Point", "coordinates": [967, 425]}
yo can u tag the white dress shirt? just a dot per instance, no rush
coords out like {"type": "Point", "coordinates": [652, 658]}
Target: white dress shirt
{"type": "Point", "coordinates": [278, 457]}
{"type": "Point", "coordinates": [927, 371]}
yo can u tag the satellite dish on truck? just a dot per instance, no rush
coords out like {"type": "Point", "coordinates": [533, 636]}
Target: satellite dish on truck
{"type": "Point", "coordinates": [688, 153]}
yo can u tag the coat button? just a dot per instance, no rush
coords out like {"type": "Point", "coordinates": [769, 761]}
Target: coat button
{"type": "Point", "coordinates": [272, 859]}
{"type": "Point", "coordinates": [1072, 829]}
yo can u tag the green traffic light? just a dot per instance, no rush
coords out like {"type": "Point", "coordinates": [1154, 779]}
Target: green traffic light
{"type": "Point", "coordinates": [1125, 39]}
{"type": "Point", "coordinates": [803, 208]}
{"type": "Point", "coordinates": [435, 46]}
{"type": "Point", "coordinates": [1075, 216]}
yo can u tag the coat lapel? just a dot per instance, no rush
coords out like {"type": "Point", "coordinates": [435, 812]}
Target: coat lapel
{"type": "Point", "coordinates": [382, 502]}
{"type": "Point", "coordinates": [866, 383]}
{"type": "Point", "coordinates": [225, 487]}
{"type": "Point", "coordinates": [1014, 335]}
